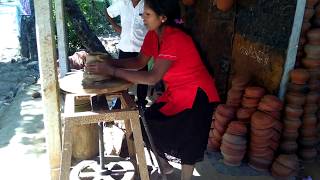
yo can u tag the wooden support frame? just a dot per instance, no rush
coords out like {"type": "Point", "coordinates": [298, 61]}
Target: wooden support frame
{"type": "Point", "coordinates": [129, 114]}
{"type": "Point", "coordinates": [49, 82]}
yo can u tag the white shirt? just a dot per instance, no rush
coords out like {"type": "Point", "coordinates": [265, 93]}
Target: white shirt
{"type": "Point", "coordinates": [133, 30]}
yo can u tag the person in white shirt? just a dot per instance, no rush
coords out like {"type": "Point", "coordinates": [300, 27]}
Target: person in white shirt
{"type": "Point", "coordinates": [132, 32]}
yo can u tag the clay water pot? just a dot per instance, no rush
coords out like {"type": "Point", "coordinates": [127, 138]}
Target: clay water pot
{"type": "Point", "coordinates": [188, 2]}
{"type": "Point", "coordinates": [232, 152]}
{"type": "Point", "coordinates": [238, 147]}
{"type": "Point", "coordinates": [289, 160]}
{"type": "Point", "coordinates": [311, 63]}
{"type": "Point", "coordinates": [259, 164]}
{"type": "Point", "coordinates": [265, 107]}
{"type": "Point", "coordinates": [234, 94]}
{"type": "Point", "coordinates": [293, 112]}
{"type": "Point", "coordinates": [219, 128]}
{"type": "Point", "coordinates": [221, 119]}
{"type": "Point", "coordinates": [265, 133]}
{"type": "Point", "coordinates": [213, 145]}
{"type": "Point", "coordinates": [312, 51]}
{"type": "Point", "coordinates": [260, 140]}
{"type": "Point", "coordinates": [299, 76]}
{"type": "Point", "coordinates": [250, 102]}
{"type": "Point", "coordinates": [261, 152]}
{"type": "Point", "coordinates": [224, 5]}
{"type": "Point", "coordinates": [226, 111]}
{"type": "Point", "coordinates": [231, 160]}
{"type": "Point", "coordinates": [239, 82]}
{"type": "Point", "coordinates": [312, 97]}
{"type": "Point", "coordinates": [254, 92]}
{"type": "Point", "coordinates": [261, 120]}
{"type": "Point", "coordinates": [245, 113]}
{"type": "Point", "coordinates": [289, 147]}
{"type": "Point", "coordinates": [216, 135]}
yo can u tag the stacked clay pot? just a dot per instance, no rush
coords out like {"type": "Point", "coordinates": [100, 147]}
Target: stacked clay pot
{"type": "Point", "coordinates": [264, 140]}
{"type": "Point", "coordinates": [222, 117]}
{"type": "Point", "coordinates": [285, 166]}
{"type": "Point", "coordinates": [233, 146]}
{"type": "Point", "coordinates": [249, 103]}
{"type": "Point", "coordinates": [239, 83]}
{"type": "Point", "coordinates": [312, 49]}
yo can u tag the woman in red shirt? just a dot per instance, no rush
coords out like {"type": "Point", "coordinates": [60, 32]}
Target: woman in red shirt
{"type": "Point", "coordinates": [179, 121]}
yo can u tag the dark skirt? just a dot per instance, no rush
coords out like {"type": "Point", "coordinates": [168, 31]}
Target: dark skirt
{"type": "Point", "coordinates": [184, 135]}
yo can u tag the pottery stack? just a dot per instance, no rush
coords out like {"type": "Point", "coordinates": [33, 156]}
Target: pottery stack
{"type": "Point", "coordinates": [223, 115]}
{"type": "Point", "coordinates": [234, 143]}
{"type": "Point", "coordinates": [265, 133]}
{"type": "Point", "coordinates": [285, 166]}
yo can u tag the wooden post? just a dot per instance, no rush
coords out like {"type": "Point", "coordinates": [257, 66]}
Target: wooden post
{"type": "Point", "coordinates": [49, 82]}
{"type": "Point", "coordinates": [293, 47]}
{"type": "Point", "coordinates": [61, 34]}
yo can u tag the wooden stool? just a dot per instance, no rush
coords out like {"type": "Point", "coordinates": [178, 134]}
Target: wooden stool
{"type": "Point", "coordinates": [128, 112]}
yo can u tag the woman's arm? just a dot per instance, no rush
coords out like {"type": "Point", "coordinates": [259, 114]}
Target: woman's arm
{"type": "Point", "coordinates": [135, 63]}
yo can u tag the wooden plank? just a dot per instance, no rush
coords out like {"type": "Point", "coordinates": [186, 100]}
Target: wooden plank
{"type": "Point", "coordinates": [49, 82]}
{"type": "Point", "coordinates": [61, 36]}
{"type": "Point", "coordinates": [139, 147]}
{"type": "Point", "coordinates": [66, 151]}
{"type": "Point", "coordinates": [293, 47]}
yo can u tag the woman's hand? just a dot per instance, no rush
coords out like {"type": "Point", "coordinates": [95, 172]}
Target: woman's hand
{"type": "Point", "coordinates": [100, 68]}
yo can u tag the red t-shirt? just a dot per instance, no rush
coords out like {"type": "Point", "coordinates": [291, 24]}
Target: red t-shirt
{"type": "Point", "coordinates": [186, 74]}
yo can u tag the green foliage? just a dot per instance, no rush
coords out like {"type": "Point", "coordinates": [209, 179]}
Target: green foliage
{"type": "Point", "coordinates": [93, 10]}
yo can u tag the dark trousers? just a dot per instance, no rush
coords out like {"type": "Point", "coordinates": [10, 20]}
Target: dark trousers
{"type": "Point", "coordinates": [142, 89]}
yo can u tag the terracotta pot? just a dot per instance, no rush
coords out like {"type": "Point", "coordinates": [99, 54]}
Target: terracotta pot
{"type": "Point", "coordinates": [314, 73]}
{"type": "Point", "coordinates": [297, 88]}
{"type": "Point", "coordinates": [299, 76]}
{"type": "Point", "coordinates": [290, 136]}
{"type": "Point", "coordinates": [245, 113]}
{"type": "Point", "coordinates": [226, 111]}
{"type": "Point", "coordinates": [313, 34]}
{"type": "Point", "coordinates": [281, 170]}
{"type": "Point", "coordinates": [278, 126]}
{"type": "Point", "coordinates": [308, 13]}
{"type": "Point", "coordinates": [254, 92]}
{"type": "Point", "coordinates": [312, 51]}
{"type": "Point", "coordinates": [212, 124]}
{"type": "Point", "coordinates": [224, 5]}
{"type": "Point", "coordinates": [237, 128]}
{"type": "Point", "coordinates": [265, 107]}
{"type": "Point", "coordinates": [257, 165]}
{"type": "Point", "coordinates": [265, 133]}
{"type": "Point", "coordinates": [211, 133]}
{"type": "Point", "coordinates": [311, 3]}
{"type": "Point", "coordinates": [310, 108]}
{"type": "Point", "coordinates": [235, 94]}
{"type": "Point", "coordinates": [312, 97]}
{"type": "Point", "coordinates": [274, 114]}
{"type": "Point", "coordinates": [273, 101]}
{"type": "Point", "coordinates": [216, 135]}
{"type": "Point", "coordinates": [289, 160]}
{"type": "Point", "coordinates": [293, 112]}
{"type": "Point", "coordinates": [233, 139]}
{"type": "Point", "coordinates": [308, 141]}
{"type": "Point", "coordinates": [314, 85]}
{"type": "Point", "coordinates": [231, 160]}
{"type": "Point", "coordinates": [260, 152]}
{"type": "Point", "coordinates": [232, 152]}
{"type": "Point", "coordinates": [308, 153]}
{"type": "Point", "coordinates": [311, 63]}
{"type": "Point", "coordinates": [188, 2]}
{"type": "Point", "coordinates": [213, 145]}
{"type": "Point", "coordinates": [250, 102]}
{"type": "Point", "coordinates": [260, 144]}
{"type": "Point", "coordinates": [296, 99]}
{"type": "Point", "coordinates": [308, 132]}
{"type": "Point", "coordinates": [292, 125]}
{"type": "Point", "coordinates": [260, 140]}
{"type": "Point", "coordinates": [238, 147]}
{"type": "Point", "coordinates": [261, 120]}
{"type": "Point", "coordinates": [219, 128]}
{"type": "Point", "coordinates": [309, 120]}
{"type": "Point", "coordinates": [222, 120]}
{"type": "Point", "coordinates": [289, 147]}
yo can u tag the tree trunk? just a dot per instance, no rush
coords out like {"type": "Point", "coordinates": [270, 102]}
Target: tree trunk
{"type": "Point", "coordinates": [89, 40]}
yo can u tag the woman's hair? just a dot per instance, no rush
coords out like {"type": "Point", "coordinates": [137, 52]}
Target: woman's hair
{"type": "Point", "coordinates": [168, 8]}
